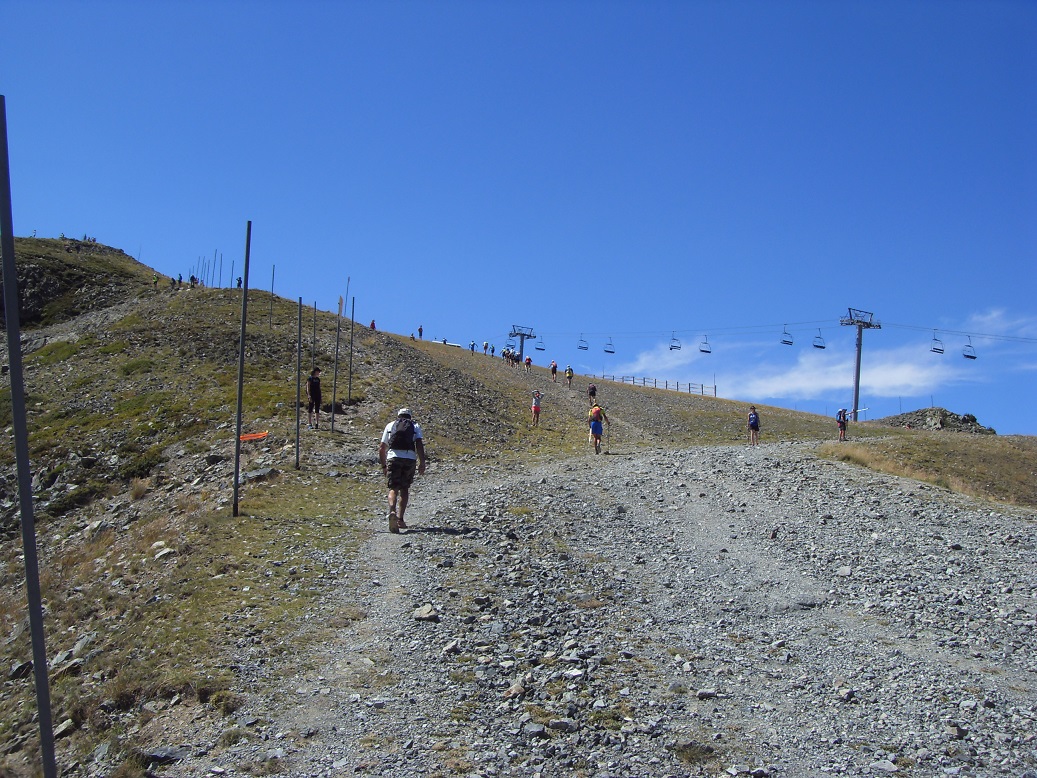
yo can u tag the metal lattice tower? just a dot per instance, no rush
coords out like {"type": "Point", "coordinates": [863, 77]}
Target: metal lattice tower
{"type": "Point", "coordinates": [521, 333]}
{"type": "Point", "coordinates": [862, 320]}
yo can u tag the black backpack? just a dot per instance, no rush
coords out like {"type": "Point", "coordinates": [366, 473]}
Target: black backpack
{"type": "Point", "coordinates": [401, 436]}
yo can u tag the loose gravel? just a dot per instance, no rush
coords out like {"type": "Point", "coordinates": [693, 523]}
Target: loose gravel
{"type": "Point", "coordinates": [714, 611]}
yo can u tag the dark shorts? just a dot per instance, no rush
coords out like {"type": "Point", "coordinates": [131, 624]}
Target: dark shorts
{"type": "Point", "coordinates": [841, 425]}
{"type": "Point", "coordinates": [313, 405]}
{"type": "Point", "coordinates": [754, 427]}
{"type": "Point", "coordinates": [400, 474]}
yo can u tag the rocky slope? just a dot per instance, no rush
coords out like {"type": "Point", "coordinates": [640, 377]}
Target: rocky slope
{"type": "Point", "coordinates": [698, 612]}
{"type": "Point", "coordinates": [665, 609]}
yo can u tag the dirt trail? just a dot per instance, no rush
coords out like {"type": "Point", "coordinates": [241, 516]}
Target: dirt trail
{"type": "Point", "coordinates": [665, 613]}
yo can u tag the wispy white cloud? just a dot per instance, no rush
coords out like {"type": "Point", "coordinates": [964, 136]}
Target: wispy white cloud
{"type": "Point", "coordinates": [885, 373]}
{"type": "Point", "coordinates": [997, 321]}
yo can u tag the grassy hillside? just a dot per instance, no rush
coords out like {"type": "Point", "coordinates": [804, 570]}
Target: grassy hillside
{"type": "Point", "coordinates": [147, 576]}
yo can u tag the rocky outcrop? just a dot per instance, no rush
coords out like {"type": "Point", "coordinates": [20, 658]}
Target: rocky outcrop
{"type": "Point", "coordinates": [938, 419]}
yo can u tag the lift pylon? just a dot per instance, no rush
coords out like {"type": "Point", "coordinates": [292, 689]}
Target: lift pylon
{"type": "Point", "coordinates": [521, 333]}
{"type": "Point", "coordinates": [862, 320]}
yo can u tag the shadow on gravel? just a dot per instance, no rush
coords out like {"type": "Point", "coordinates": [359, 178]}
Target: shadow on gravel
{"type": "Point", "coordinates": [439, 530]}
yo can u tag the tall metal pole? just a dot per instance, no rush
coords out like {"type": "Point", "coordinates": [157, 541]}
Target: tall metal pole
{"type": "Point", "coordinates": [21, 446]}
{"type": "Point", "coordinates": [212, 273]}
{"type": "Point", "coordinates": [298, 386]}
{"type": "Point", "coordinates": [352, 329]}
{"type": "Point", "coordinates": [221, 269]}
{"type": "Point", "coordinates": [313, 346]}
{"type": "Point", "coordinates": [862, 320]}
{"type": "Point", "coordinates": [334, 379]}
{"type": "Point", "coordinates": [857, 372]}
{"type": "Point", "coordinates": [241, 367]}
{"type": "Point", "coordinates": [272, 271]}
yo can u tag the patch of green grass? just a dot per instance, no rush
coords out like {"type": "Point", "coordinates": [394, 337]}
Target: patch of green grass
{"type": "Point", "coordinates": [55, 351]}
{"type": "Point", "coordinates": [135, 366]}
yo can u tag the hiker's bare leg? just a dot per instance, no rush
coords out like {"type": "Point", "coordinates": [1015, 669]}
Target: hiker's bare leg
{"type": "Point", "coordinates": [402, 506]}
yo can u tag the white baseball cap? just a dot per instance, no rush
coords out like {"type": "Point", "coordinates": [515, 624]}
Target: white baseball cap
{"type": "Point", "coordinates": [403, 412]}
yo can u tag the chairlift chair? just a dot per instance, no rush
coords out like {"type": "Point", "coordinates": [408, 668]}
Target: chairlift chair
{"type": "Point", "coordinates": [704, 346]}
{"type": "Point", "coordinates": [937, 345]}
{"type": "Point", "coordinates": [969, 352]}
{"type": "Point", "coordinates": [510, 345]}
{"type": "Point", "coordinates": [582, 344]}
{"type": "Point", "coordinates": [819, 342]}
{"type": "Point", "coordinates": [609, 348]}
{"type": "Point", "coordinates": [786, 336]}
{"type": "Point", "coordinates": [540, 345]}
{"type": "Point", "coordinates": [675, 344]}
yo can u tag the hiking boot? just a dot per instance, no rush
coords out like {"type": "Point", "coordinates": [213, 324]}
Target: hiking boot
{"type": "Point", "coordinates": [394, 523]}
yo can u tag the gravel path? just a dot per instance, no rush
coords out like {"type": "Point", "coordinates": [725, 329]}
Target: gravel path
{"type": "Point", "coordinates": [721, 610]}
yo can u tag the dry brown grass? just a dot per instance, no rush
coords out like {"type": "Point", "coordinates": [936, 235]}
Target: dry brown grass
{"type": "Point", "coordinates": [990, 467]}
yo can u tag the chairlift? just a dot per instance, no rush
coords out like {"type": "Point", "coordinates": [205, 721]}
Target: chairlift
{"type": "Point", "coordinates": [969, 352]}
{"type": "Point", "coordinates": [609, 348]}
{"type": "Point", "coordinates": [675, 344]}
{"type": "Point", "coordinates": [582, 344]}
{"type": "Point", "coordinates": [937, 345]}
{"type": "Point", "coordinates": [786, 336]}
{"type": "Point", "coordinates": [540, 345]}
{"type": "Point", "coordinates": [510, 345]}
{"type": "Point", "coordinates": [704, 346]}
{"type": "Point", "coordinates": [819, 342]}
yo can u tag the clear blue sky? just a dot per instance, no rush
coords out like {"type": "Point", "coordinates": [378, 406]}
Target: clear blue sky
{"type": "Point", "coordinates": [631, 171]}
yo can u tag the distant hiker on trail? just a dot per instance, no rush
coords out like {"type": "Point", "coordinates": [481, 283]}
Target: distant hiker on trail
{"type": "Point", "coordinates": [536, 407]}
{"type": "Point", "coordinates": [313, 399]}
{"type": "Point", "coordinates": [239, 281]}
{"type": "Point", "coordinates": [592, 393]}
{"type": "Point", "coordinates": [529, 364]}
{"type": "Point", "coordinates": [471, 346]}
{"type": "Point", "coordinates": [400, 452]}
{"type": "Point", "coordinates": [569, 376]}
{"type": "Point", "coordinates": [420, 331]}
{"type": "Point", "coordinates": [179, 280]}
{"type": "Point", "coordinates": [492, 349]}
{"type": "Point", "coordinates": [485, 345]}
{"type": "Point", "coordinates": [595, 416]}
{"type": "Point", "coordinates": [554, 371]}
{"type": "Point", "coordinates": [840, 421]}
{"type": "Point", "coordinates": [154, 280]}
{"type": "Point", "coordinates": [372, 324]}
{"type": "Point", "coordinates": [752, 424]}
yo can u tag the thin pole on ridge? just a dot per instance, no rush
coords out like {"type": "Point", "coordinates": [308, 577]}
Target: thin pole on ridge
{"type": "Point", "coordinates": [241, 368]}
{"type": "Point", "coordinates": [334, 380]}
{"type": "Point", "coordinates": [21, 445]}
{"type": "Point", "coordinates": [298, 386]}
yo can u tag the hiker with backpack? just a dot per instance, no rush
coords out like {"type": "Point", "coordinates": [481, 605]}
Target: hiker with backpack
{"type": "Point", "coordinates": [569, 376]}
{"type": "Point", "coordinates": [592, 393]}
{"type": "Point", "coordinates": [752, 424]}
{"type": "Point", "coordinates": [595, 417]}
{"type": "Point", "coordinates": [401, 452]}
{"type": "Point", "coordinates": [313, 399]}
{"type": "Point", "coordinates": [840, 421]}
{"type": "Point", "coordinates": [554, 371]}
